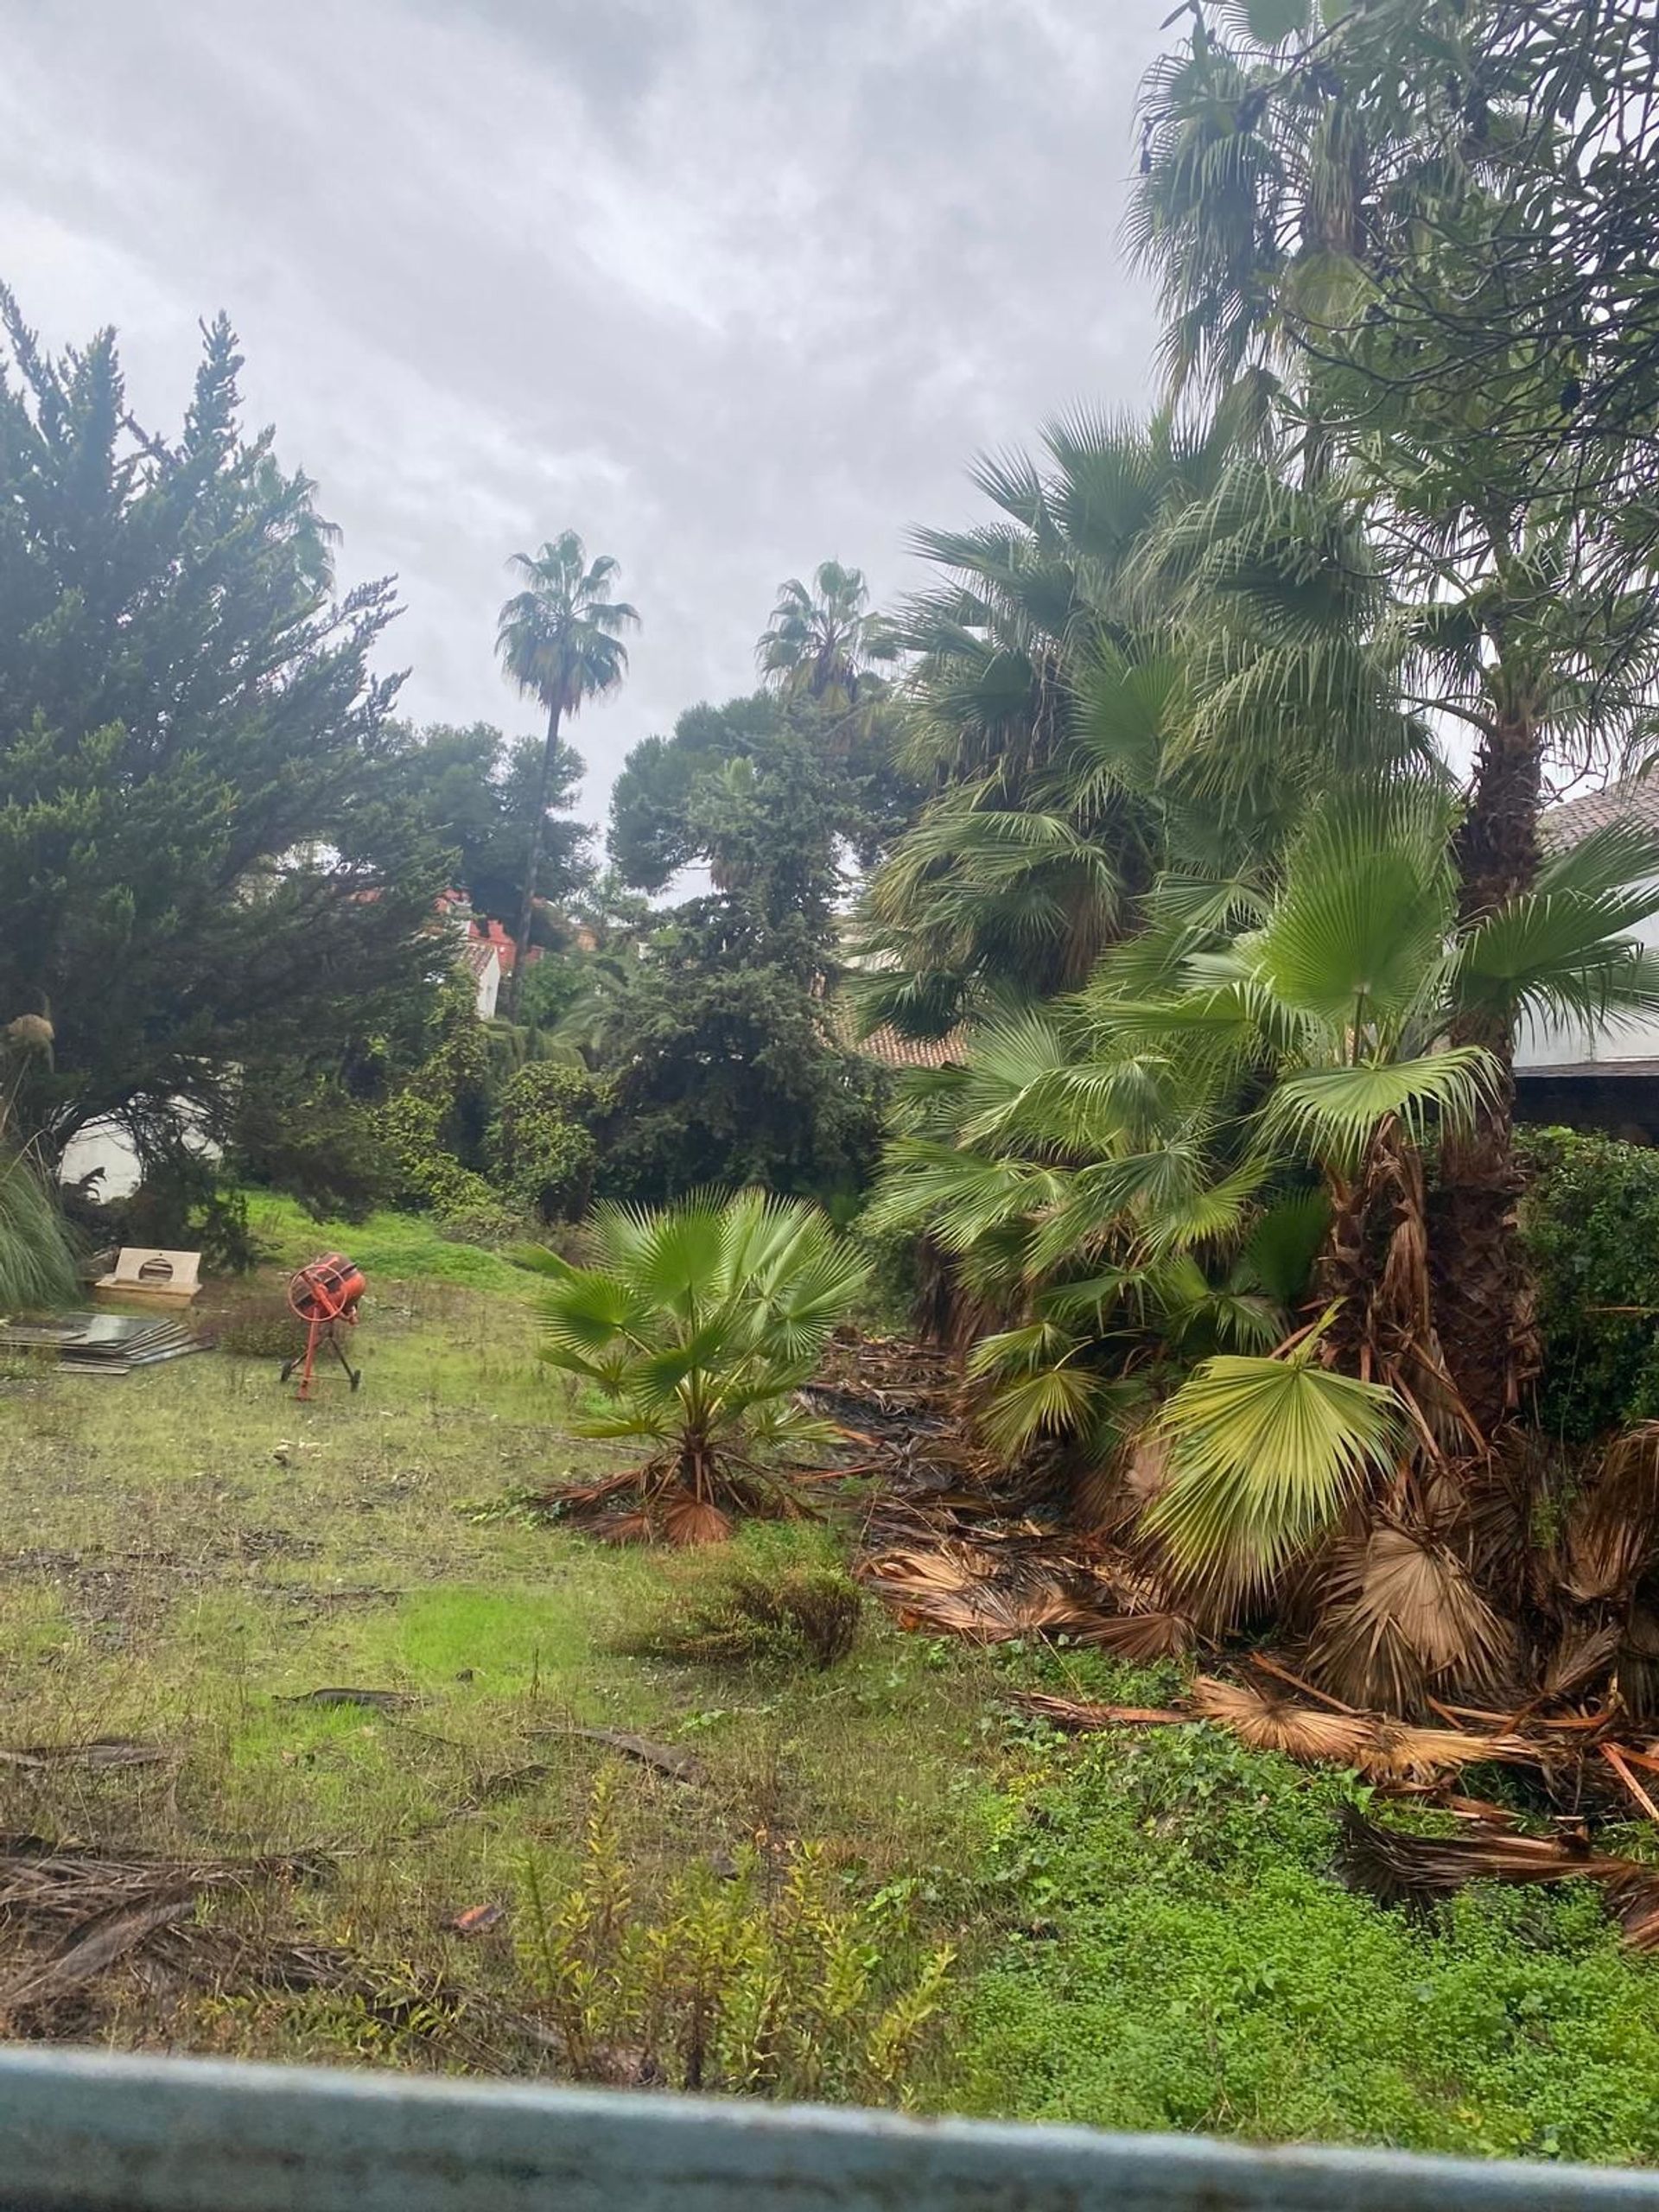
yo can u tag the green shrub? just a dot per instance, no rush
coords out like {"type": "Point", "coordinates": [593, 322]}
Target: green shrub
{"type": "Point", "coordinates": [430, 1175]}
{"type": "Point", "coordinates": [542, 1147]}
{"type": "Point", "coordinates": [307, 1136]}
{"type": "Point", "coordinates": [1591, 1216]}
{"type": "Point", "coordinates": [185, 1203]}
{"type": "Point", "coordinates": [760, 1611]}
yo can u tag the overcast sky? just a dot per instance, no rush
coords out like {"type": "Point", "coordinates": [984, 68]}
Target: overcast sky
{"type": "Point", "coordinates": [728, 286]}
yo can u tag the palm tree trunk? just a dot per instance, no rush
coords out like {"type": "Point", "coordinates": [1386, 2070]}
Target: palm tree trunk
{"type": "Point", "coordinates": [1482, 1285]}
{"type": "Point", "coordinates": [533, 865]}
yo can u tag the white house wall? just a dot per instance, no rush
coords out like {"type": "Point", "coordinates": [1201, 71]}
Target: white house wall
{"type": "Point", "coordinates": [1571, 1043]}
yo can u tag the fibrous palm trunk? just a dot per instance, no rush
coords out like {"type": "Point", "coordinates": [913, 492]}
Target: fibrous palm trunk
{"type": "Point", "coordinates": [1483, 1287]}
{"type": "Point", "coordinates": [533, 862]}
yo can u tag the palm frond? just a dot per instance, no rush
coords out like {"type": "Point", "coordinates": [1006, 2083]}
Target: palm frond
{"type": "Point", "coordinates": [1265, 1454]}
{"type": "Point", "coordinates": [1333, 1111]}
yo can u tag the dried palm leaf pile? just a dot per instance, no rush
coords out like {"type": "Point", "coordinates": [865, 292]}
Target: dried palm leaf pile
{"type": "Point", "coordinates": [85, 1929]}
{"type": "Point", "coordinates": [949, 1545]}
{"type": "Point", "coordinates": [1415, 1870]}
{"type": "Point", "coordinates": [69, 1915]}
{"type": "Point", "coordinates": [953, 1547]}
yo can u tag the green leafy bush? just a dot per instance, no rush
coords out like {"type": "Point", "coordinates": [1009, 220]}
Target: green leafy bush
{"type": "Point", "coordinates": [542, 1145]}
{"type": "Point", "coordinates": [186, 1204]}
{"type": "Point", "coordinates": [307, 1134]}
{"type": "Point", "coordinates": [1591, 1216]}
{"type": "Point", "coordinates": [430, 1175]}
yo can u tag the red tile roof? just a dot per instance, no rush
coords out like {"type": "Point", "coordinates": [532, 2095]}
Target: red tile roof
{"type": "Point", "coordinates": [892, 1050]}
{"type": "Point", "coordinates": [1635, 799]}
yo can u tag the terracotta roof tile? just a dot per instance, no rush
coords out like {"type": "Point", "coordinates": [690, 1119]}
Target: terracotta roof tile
{"type": "Point", "coordinates": [889, 1047]}
{"type": "Point", "coordinates": [1634, 799]}
{"type": "Point", "coordinates": [892, 1051]}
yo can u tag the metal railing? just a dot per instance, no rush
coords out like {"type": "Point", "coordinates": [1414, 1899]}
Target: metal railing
{"type": "Point", "coordinates": [87, 2132]}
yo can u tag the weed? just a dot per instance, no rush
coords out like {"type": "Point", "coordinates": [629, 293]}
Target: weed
{"type": "Point", "coordinates": [760, 1608]}
{"type": "Point", "coordinates": [797, 1990]}
{"type": "Point", "coordinates": [263, 1329]}
{"type": "Point", "coordinates": [188, 1548]}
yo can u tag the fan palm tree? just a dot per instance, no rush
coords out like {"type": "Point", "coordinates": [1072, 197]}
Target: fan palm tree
{"type": "Point", "coordinates": [823, 640]}
{"type": "Point", "coordinates": [1155, 654]}
{"type": "Point", "coordinates": [560, 641]}
{"type": "Point", "coordinates": [1136, 1170]}
{"type": "Point", "coordinates": [696, 1325]}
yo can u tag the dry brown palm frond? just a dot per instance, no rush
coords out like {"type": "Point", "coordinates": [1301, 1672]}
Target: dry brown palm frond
{"type": "Point", "coordinates": [1583, 1656]}
{"type": "Point", "coordinates": [1083, 1713]}
{"type": "Point", "coordinates": [1402, 1618]}
{"type": "Point", "coordinates": [1399, 1752]}
{"type": "Point", "coordinates": [1636, 1669]}
{"type": "Point", "coordinates": [1270, 1722]}
{"type": "Point", "coordinates": [1400, 1869]}
{"type": "Point", "coordinates": [686, 1520]}
{"type": "Point", "coordinates": [994, 1593]}
{"type": "Point", "coordinates": [576, 1498]}
{"type": "Point", "coordinates": [1145, 1463]}
{"type": "Point", "coordinates": [1496, 1494]}
{"type": "Point", "coordinates": [1634, 1900]}
{"type": "Point", "coordinates": [1142, 1638]}
{"type": "Point", "coordinates": [1613, 1528]}
{"type": "Point", "coordinates": [618, 1528]}
{"type": "Point", "coordinates": [1102, 1501]}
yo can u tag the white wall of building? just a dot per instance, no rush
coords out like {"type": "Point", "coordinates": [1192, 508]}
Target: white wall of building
{"type": "Point", "coordinates": [489, 985]}
{"type": "Point", "coordinates": [105, 1147]}
{"type": "Point", "coordinates": [1570, 1043]}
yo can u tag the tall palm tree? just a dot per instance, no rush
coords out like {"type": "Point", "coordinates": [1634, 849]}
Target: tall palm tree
{"type": "Point", "coordinates": [560, 641]}
{"type": "Point", "coordinates": [1156, 647]}
{"type": "Point", "coordinates": [1329, 202]}
{"type": "Point", "coordinates": [823, 640]}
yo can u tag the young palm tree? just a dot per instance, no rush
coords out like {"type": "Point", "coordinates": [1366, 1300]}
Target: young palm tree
{"type": "Point", "coordinates": [822, 638]}
{"type": "Point", "coordinates": [560, 641]}
{"type": "Point", "coordinates": [696, 1325]}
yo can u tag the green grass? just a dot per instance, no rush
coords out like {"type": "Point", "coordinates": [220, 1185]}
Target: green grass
{"type": "Point", "coordinates": [403, 1247]}
{"type": "Point", "coordinates": [188, 1548]}
{"type": "Point", "coordinates": [1151, 1931]}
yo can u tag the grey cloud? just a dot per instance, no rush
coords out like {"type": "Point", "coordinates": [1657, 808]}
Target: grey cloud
{"type": "Point", "coordinates": [726, 285]}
